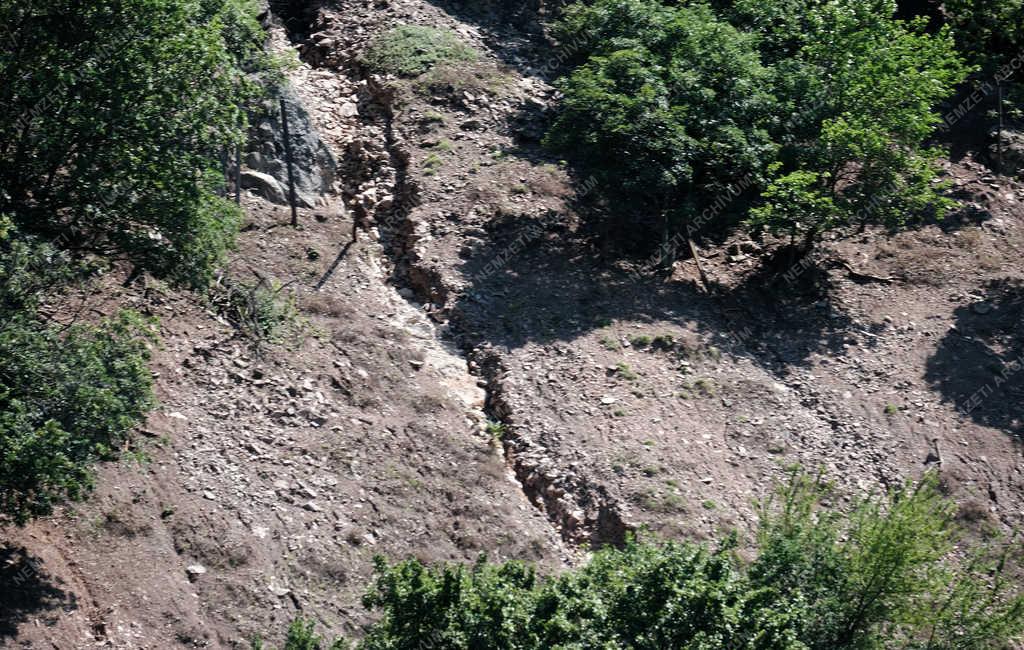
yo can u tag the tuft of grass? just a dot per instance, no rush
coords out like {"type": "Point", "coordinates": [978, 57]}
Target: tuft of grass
{"type": "Point", "coordinates": [640, 340]}
{"type": "Point", "coordinates": [444, 145]}
{"type": "Point", "coordinates": [891, 409]}
{"type": "Point", "coordinates": [431, 164]}
{"type": "Point", "coordinates": [663, 341]}
{"type": "Point", "coordinates": [411, 50]}
{"type": "Point", "coordinates": [665, 504]}
{"type": "Point", "coordinates": [624, 371]}
{"type": "Point", "coordinates": [609, 343]}
{"type": "Point", "coordinates": [497, 430]}
{"type": "Point", "coordinates": [705, 386]}
{"type": "Point", "coordinates": [433, 117]}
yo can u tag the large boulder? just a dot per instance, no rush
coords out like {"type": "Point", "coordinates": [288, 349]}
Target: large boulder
{"type": "Point", "coordinates": [263, 185]}
{"type": "Point", "coordinates": [312, 162]}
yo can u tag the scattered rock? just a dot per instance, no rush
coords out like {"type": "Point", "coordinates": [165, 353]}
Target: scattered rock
{"type": "Point", "coordinates": [193, 571]}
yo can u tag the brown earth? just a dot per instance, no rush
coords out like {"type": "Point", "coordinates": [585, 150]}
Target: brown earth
{"type": "Point", "coordinates": [628, 399]}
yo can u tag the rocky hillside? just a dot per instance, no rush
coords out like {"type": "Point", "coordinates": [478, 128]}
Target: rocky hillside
{"type": "Point", "coordinates": [473, 374]}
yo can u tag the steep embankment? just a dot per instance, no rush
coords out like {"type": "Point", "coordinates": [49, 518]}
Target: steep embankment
{"type": "Point", "coordinates": [265, 482]}
{"type": "Point", "coordinates": [630, 400]}
{"type": "Point", "coordinates": [624, 400]}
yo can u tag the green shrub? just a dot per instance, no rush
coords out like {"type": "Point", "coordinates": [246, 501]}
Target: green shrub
{"type": "Point", "coordinates": [623, 370]}
{"type": "Point", "coordinates": [641, 340]}
{"type": "Point", "coordinates": [68, 395]}
{"type": "Point", "coordinates": [990, 32]}
{"type": "Point", "coordinates": [113, 115]}
{"type": "Point", "coordinates": [861, 92]}
{"type": "Point", "coordinates": [879, 577]}
{"type": "Point", "coordinates": [411, 50]}
{"type": "Point", "coordinates": [302, 636]}
{"type": "Point", "coordinates": [67, 399]}
{"type": "Point", "coordinates": [256, 310]}
{"type": "Point", "coordinates": [670, 109]}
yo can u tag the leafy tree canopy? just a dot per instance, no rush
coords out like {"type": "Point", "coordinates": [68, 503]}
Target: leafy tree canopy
{"type": "Point", "coordinates": [819, 106]}
{"type": "Point", "coordinates": [112, 117]}
{"type": "Point", "coordinates": [114, 114]}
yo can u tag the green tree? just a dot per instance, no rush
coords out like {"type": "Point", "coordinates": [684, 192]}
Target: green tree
{"type": "Point", "coordinates": [990, 32]}
{"type": "Point", "coordinates": [819, 107]}
{"type": "Point", "coordinates": [669, 112]}
{"type": "Point", "coordinates": [862, 92]}
{"type": "Point", "coordinates": [113, 117]}
{"type": "Point", "coordinates": [68, 395]}
{"type": "Point", "coordinates": [68, 398]}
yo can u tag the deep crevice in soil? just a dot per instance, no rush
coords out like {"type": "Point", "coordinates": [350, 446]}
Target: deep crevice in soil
{"type": "Point", "coordinates": [583, 513]}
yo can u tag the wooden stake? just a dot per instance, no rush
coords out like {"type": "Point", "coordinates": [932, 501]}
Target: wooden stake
{"type": "Point", "coordinates": [288, 162]}
{"type": "Point", "coordinates": [696, 259]}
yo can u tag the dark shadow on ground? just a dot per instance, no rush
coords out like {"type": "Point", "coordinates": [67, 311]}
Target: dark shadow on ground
{"type": "Point", "coordinates": [787, 307]}
{"type": "Point", "coordinates": [967, 120]}
{"type": "Point", "coordinates": [534, 282]}
{"type": "Point", "coordinates": [27, 592]}
{"type": "Point", "coordinates": [979, 365]}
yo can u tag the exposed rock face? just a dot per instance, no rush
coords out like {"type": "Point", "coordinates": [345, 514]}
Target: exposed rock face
{"type": "Point", "coordinates": [1013, 151]}
{"type": "Point", "coordinates": [313, 164]}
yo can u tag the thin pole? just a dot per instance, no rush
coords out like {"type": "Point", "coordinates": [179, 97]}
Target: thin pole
{"type": "Point", "coordinates": [224, 165]}
{"type": "Point", "coordinates": [288, 162]}
{"type": "Point", "coordinates": [238, 174]}
{"type": "Point", "coordinates": [999, 137]}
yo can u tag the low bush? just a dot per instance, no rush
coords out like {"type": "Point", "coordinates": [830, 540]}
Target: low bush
{"type": "Point", "coordinates": [68, 398]}
{"type": "Point", "coordinates": [411, 50]}
{"type": "Point", "coordinates": [258, 311]}
{"type": "Point", "coordinates": [799, 117]}
{"type": "Point", "coordinates": [881, 576]}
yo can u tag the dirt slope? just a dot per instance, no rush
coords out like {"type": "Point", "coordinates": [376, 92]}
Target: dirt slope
{"type": "Point", "coordinates": [281, 476]}
{"type": "Point", "coordinates": [888, 356]}
{"type": "Point", "coordinates": [627, 400]}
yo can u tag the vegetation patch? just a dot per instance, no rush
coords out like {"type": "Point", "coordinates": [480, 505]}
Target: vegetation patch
{"type": "Point", "coordinates": [640, 340]}
{"type": "Point", "coordinates": [882, 576]}
{"type": "Point", "coordinates": [68, 399]}
{"type": "Point", "coordinates": [623, 370]}
{"type": "Point", "coordinates": [411, 50]}
{"type": "Point", "coordinates": [431, 164]}
{"type": "Point", "coordinates": [805, 125]}
{"type": "Point", "coordinates": [455, 81]}
{"type": "Point", "coordinates": [261, 312]}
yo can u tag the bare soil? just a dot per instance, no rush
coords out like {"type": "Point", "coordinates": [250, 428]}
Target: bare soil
{"type": "Point", "coordinates": [629, 399]}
